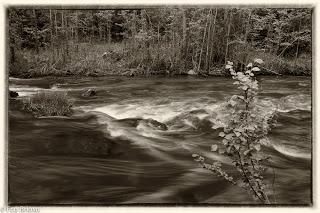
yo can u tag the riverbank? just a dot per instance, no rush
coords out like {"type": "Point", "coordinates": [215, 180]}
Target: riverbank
{"type": "Point", "coordinates": [121, 59]}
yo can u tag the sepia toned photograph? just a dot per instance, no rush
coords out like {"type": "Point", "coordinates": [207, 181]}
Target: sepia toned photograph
{"type": "Point", "coordinates": [177, 105]}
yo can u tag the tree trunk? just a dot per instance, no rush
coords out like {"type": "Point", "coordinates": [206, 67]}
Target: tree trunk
{"type": "Point", "coordinates": [212, 38]}
{"type": "Point", "coordinates": [62, 20]}
{"type": "Point", "coordinates": [203, 39]}
{"type": "Point", "coordinates": [63, 38]}
{"type": "Point", "coordinates": [228, 34]}
{"type": "Point", "coordinates": [67, 35]}
{"type": "Point", "coordinates": [208, 40]}
{"type": "Point", "coordinates": [109, 34]}
{"type": "Point", "coordinates": [12, 54]}
{"type": "Point", "coordinates": [297, 50]}
{"type": "Point", "coordinates": [55, 22]}
{"type": "Point", "coordinates": [184, 38]}
{"type": "Point", "coordinates": [77, 27]}
{"type": "Point", "coordinates": [245, 56]}
{"type": "Point", "coordinates": [51, 36]}
{"type": "Point", "coordinates": [91, 29]}
{"type": "Point", "coordinates": [36, 31]}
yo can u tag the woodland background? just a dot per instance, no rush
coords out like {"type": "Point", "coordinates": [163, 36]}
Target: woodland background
{"type": "Point", "coordinates": [160, 40]}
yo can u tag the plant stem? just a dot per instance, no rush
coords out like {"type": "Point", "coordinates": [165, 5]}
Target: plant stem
{"type": "Point", "coordinates": [248, 146]}
{"type": "Point", "coordinates": [247, 179]}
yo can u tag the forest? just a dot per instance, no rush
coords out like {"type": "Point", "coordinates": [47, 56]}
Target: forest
{"type": "Point", "coordinates": [157, 41]}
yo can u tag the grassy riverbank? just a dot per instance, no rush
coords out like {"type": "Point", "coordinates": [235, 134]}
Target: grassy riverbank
{"type": "Point", "coordinates": [122, 59]}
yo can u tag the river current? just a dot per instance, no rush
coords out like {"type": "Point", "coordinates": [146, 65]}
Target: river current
{"type": "Point", "coordinates": [132, 142]}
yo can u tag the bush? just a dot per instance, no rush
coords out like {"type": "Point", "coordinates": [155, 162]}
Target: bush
{"type": "Point", "coordinates": [273, 64]}
{"type": "Point", "coordinates": [49, 104]}
{"type": "Point", "coordinates": [285, 66]}
{"type": "Point", "coordinates": [19, 66]}
{"type": "Point", "coordinates": [243, 136]}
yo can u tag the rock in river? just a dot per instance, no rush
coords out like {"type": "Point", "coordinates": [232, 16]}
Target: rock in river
{"type": "Point", "coordinates": [13, 94]}
{"type": "Point", "coordinates": [89, 93]}
{"type": "Point", "coordinates": [192, 72]}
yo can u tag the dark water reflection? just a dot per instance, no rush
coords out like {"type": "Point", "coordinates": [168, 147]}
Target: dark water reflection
{"type": "Point", "coordinates": [115, 151]}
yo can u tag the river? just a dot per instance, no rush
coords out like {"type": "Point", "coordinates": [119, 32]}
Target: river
{"type": "Point", "coordinates": [115, 149]}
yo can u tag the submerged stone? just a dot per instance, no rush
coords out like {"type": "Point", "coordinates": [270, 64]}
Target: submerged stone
{"type": "Point", "coordinates": [89, 93]}
{"type": "Point", "coordinates": [156, 124]}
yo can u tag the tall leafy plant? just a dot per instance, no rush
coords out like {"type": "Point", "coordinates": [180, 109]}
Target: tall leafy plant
{"type": "Point", "coordinates": [243, 135]}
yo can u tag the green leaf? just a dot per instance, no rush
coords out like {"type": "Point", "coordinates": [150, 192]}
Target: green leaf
{"type": "Point", "coordinates": [232, 102]}
{"type": "Point", "coordinates": [243, 139]}
{"type": "Point", "coordinates": [255, 69]}
{"type": "Point", "coordinates": [264, 141]}
{"type": "Point", "coordinates": [250, 128]}
{"type": "Point", "coordinates": [237, 146]}
{"type": "Point", "coordinates": [247, 152]}
{"type": "Point", "coordinates": [228, 149]}
{"type": "Point", "coordinates": [222, 134]}
{"type": "Point", "coordinates": [244, 87]}
{"type": "Point", "coordinates": [224, 142]}
{"type": "Point", "coordinates": [229, 136]}
{"type": "Point", "coordinates": [257, 147]}
{"type": "Point", "coordinates": [214, 148]}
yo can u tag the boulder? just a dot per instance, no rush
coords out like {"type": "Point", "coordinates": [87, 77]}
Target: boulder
{"type": "Point", "coordinates": [134, 122]}
{"type": "Point", "coordinates": [93, 74]}
{"type": "Point", "coordinates": [156, 124]}
{"type": "Point", "coordinates": [89, 93]}
{"type": "Point", "coordinates": [192, 72]}
{"type": "Point", "coordinates": [13, 94]}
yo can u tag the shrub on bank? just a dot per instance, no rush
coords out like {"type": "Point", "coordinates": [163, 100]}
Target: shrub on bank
{"type": "Point", "coordinates": [285, 66]}
{"type": "Point", "coordinates": [49, 104]}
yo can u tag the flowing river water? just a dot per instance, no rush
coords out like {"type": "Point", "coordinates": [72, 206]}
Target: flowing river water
{"type": "Point", "coordinates": [132, 142]}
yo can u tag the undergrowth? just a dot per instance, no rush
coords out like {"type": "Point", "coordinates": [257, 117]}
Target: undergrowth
{"type": "Point", "coordinates": [124, 59]}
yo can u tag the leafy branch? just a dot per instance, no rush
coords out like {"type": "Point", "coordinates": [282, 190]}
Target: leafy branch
{"type": "Point", "coordinates": [243, 135]}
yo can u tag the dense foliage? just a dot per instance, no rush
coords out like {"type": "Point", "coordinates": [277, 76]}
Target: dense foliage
{"type": "Point", "coordinates": [243, 135]}
{"type": "Point", "coordinates": [168, 40]}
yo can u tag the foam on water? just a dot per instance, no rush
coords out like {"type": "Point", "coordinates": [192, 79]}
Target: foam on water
{"type": "Point", "coordinates": [26, 90]}
{"type": "Point", "coordinates": [148, 109]}
{"type": "Point", "coordinates": [183, 113]}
